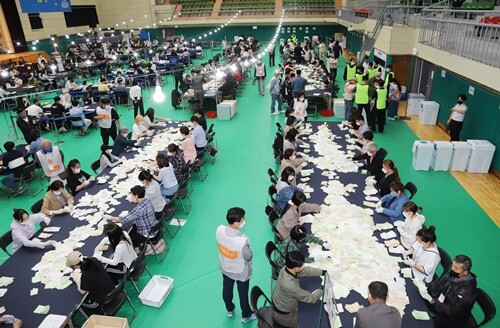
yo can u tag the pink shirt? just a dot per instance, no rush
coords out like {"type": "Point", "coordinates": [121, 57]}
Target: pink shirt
{"type": "Point", "coordinates": [187, 146]}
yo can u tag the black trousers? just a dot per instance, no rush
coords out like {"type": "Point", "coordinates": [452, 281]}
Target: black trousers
{"type": "Point", "coordinates": [366, 108]}
{"type": "Point", "coordinates": [106, 133]}
{"type": "Point", "coordinates": [137, 239]}
{"type": "Point", "coordinates": [271, 60]}
{"type": "Point", "coordinates": [178, 82]}
{"type": "Point", "coordinates": [138, 105]}
{"type": "Point", "coordinates": [455, 128]}
{"type": "Point", "coordinates": [378, 119]}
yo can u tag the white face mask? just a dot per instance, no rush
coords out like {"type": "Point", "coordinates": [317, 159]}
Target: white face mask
{"type": "Point", "coordinates": [384, 170]}
{"type": "Point", "coordinates": [290, 178]}
{"type": "Point", "coordinates": [57, 193]}
{"type": "Point", "coordinates": [77, 171]}
{"type": "Point", "coordinates": [242, 224]}
{"type": "Point", "coordinates": [369, 153]}
{"type": "Point", "coordinates": [292, 157]}
{"type": "Point", "coordinates": [407, 215]}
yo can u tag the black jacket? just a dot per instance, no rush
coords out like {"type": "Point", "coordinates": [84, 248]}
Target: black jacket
{"type": "Point", "coordinates": [460, 296]}
{"type": "Point", "coordinates": [27, 127]}
{"type": "Point", "coordinates": [383, 183]}
{"type": "Point", "coordinates": [374, 166]}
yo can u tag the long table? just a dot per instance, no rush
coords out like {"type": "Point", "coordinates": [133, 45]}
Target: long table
{"type": "Point", "coordinates": [310, 313]}
{"type": "Point", "coordinates": [17, 300]}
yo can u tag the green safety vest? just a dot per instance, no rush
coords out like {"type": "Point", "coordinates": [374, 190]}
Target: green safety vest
{"type": "Point", "coordinates": [391, 74]}
{"type": "Point", "coordinates": [381, 98]}
{"type": "Point", "coordinates": [361, 95]}
{"type": "Point", "coordinates": [351, 72]}
{"type": "Point", "coordinates": [359, 77]}
{"type": "Point", "coordinates": [372, 72]}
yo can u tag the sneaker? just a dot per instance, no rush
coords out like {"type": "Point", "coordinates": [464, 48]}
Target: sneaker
{"type": "Point", "coordinates": [230, 314]}
{"type": "Point", "coordinates": [248, 319]}
{"type": "Point", "coordinates": [275, 113]}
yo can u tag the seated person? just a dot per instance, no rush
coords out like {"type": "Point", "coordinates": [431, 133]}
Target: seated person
{"type": "Point", "coordinates": [122, 142]}
{"type": "Point", "coordinates": [103, 85]}
{"type": "Point", "coordinates": [292, 243]}
{"type": "Point", "coordinates": [453, 295]}
{"type": "Point", "coordinates": [228, 86]}
{"type": "Point", "coordinates": [51, 160]}
{"type": "Point", "coordinates": [8, 319]}
{"type": "Point", "coordinates": [166, 176]}
{"type": "Point", "coordinates": [291, 216]}
{"type": "Point", "coordinates": [187, 145]}
{"type": "Point", "coordinates": [424, 255]}
{"type": "Point", "coordinates": [93, 280]}
{"type": "Point", "coordinates": [290, 159]}
{"type": "Point", "coordinates": [153, 192]}
{"type": "Point", "coordinates": [285, 187]}
{"type": "Point", "coordinates": [142, 216]}
{"type": "Point", "coordinates": [378, 314]}
{"type": "Point", "coordinates": [176, 158]}
{"type": "Point", "coordinates": [413, 223]}
{"type": "Point", "coordinates": [362, 127]}
{"type": "Point", "coordinates": [201, 119]}
{"type": "Point", "coordinates": [200, 140]}
{"type": "Point", "coordinates": [150, 118]}
{"type": "Point", "coordinates": [71, 85]}
{"type": "Point", "coordinates": [389, 174]}
{"type": "Point", "coordinates": [77, 179]}
{"type": "Point", "coordinates": [23, 228]}
{"type": "Point", "coordinates": [107, 159]}
{"type": "Point", "coordinates": [392, 204]}
{"type": "Point", "coordinates": [57, 200]}
{"type": "Point", "coordinates": [291, 123]}
{"type": "Point", "coordinates": [36, 144]}
{"type": "Point", "coordinates": [123, 251]}
{"type": "Point", "coordinates": [58, 110]}
{"type": "Point", "coordinates": [366, 141]}
{"type": "Point", "coordinates": [373, 161]}
{"type": "Point", "coordinates": [288, 293]}
{"type": "Point", "coordinates": [138, 129]}
{"type": "Point", "coordinates": [35, 110]}
{"type": "Point", "coordinates": [13, 160]}
{"type": "Point", "coordinates": [75, 110]}
{"type": "Point", "coordinates": [291, 141]}
{"type": "Point", "coordinates": [300, 107]}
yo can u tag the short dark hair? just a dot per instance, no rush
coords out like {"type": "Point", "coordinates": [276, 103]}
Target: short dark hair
{"type": "Point", "coordinates": [290, 120]}
{"type": "Point", "coordinates": [105, 100]}
{"type": "Point", "coordinates": [194, 119]}
{"type": "Point", "coordinates": [235, 214]}
{"type": "Point", "coordinates": [145, 175]}
{"type": "Point", "coordinates": [427, 234]}
{"type": "Point", "coordinates": [288, 153]}
{"type": "Point", "coordinates": [56, 185]}
{"type": "Point", "coordinates": [294, 259]}
{"type": "Point", "coordinates": [462, 96]}
{"type": "Point", "coordinates": [360, 118]}
{"type": "Point", "coordinates": [396, 186]}
{"type": "Point", "coordinates": [19, 214]}
{"type": "Point", "coordinates": [173, 147]}
{"type": "Point", "coordinates": [298, 72]}
{"type": "Point", "coordinates": [162, 161]}
{"type": "Point", "coordinates": [464, 260]}
{"type": "Point", "coordinates": [184, 130]}
{"type": "Point", "coordinates": [298, 233]}
{"type": "Point", "coordinates": [378, 290]}
{"type": "Point", "coordinates": [57, 98]}
{"type": "Point", "coordinates": [298, 198]}
{"type": "Point", "coordinates": [74, 102]}
{"type": "Point", "coordinates": [291, 134]}
{"type": "Point", "coordinates": [9, 145]}
{"type": "Point", "coordinates": [138, 191]}
{"type": "Point", "coordinates": [71, 164]}
{"type": "Point", "coordinates": [368, 135]}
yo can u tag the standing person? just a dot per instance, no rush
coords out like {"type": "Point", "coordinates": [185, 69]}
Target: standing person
{"type": "Point", "coordinates": [26, 124]}
{"type": "Point", "coordinates": [108, 120]}
{"type": "Point", "coordinates": [199, 93]}
{"type": "Point", "coordinates": [453, 294]}
{"type": "Point", "coordinates": [235, 262]}
{"type": "Point", "coordinates": [298, 52]}
{"type": "Point", "coordinates": [13, 159]}
{"type": "Point", "coordinates": [349, 97]}
{"type": "Point", "coordinates": [332, 65]}
{"type": "Point", "coordinates": [389, 76]}
{"type": "Point", "coordinates": [51, 160]}
{"type": "Point", "coordinates": [135, 93]}
{"type": "Point", "coordinates": [394, 97]}
{"type": "Point", "coordinates": [201, 119]}
{"type": "Point", "coordinates": [298, 83]}
{"type": "Point", "coordinates": [271, 56]}
{"type": "Point", "coordinates": [260, 76]}
{"type": "Point", "coordinates": [378, 109]}
{"type": "Point", "coordinates": [178, 72]}
{"type": "Point", "coordinates": [362, 98]}
{"type": "Point", "coordinates": [378, 314]}
{"type": "Point", "coordinates": [337, 49]}
{"type": "Point", "coordinates": [456, 120]}
{"type": "Point", "coordinates": [275, 90]}
{"type": "Point", "coordinates": [350, 70]}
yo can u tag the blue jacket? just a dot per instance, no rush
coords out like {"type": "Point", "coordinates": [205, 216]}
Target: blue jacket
{"type": "Point", "coordinates": [285, 195]}
{"type": "Point", "coordinates": [121, 143]}
{"type": "Point", "coordinates": [393, 206]}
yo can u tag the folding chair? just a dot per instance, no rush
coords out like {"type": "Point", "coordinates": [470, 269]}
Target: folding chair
{"type": "Point", "coordinates": [28, 176]}
{"type": "Point", "coordinates": [183, 196]}
{"type": "Point", "coordinates": [487, 306]}
{"type": "Point", "coordinates": [412, 189]}
{"type": "Point", "coordinates": [169, 215]}
{"type": "Point", "coordinates": [263, 313]}
{"type": "Point", "coordinates": [137, 267]}
{"type": "Point", "coordinates": [5, 241]}
{"type": "Point", "coordinates": [95, 166]}
{"type": "Point", "coordinates": [156, 235]}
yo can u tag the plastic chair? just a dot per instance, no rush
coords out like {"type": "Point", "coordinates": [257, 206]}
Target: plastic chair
{"type": "Point", "coordinates": [263, 313]}
{"type": "Point", "coordinates": [37, 207]}
{"type": "Point", "coordinates": [487, 306]}
{"type": "Point", "coordinates": [382, 152]}
{"type": "Point", "coordinates": [445, 262]}
{"type": "Point", "coordinates": [412, 189]}
{"type": "Point", "coordinates": [137, 267]}
{"type": "Point", "coordinates": [95, 166]}
{"type": "Point", "coordinates": [5, 241]}
{"type": "Point", "coordinates": [280, 128]}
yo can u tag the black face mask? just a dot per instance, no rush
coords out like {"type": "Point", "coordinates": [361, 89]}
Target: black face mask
{"type": "Point", "coordinates": [460, 102]}
{"type": "Point", "coordinates": [453, 274]}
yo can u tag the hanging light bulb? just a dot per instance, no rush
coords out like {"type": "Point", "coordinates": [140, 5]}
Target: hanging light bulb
{"type": "Point", "coordinates": [158, 96]}
{"type": "Point", "coordinates": [5, 73]}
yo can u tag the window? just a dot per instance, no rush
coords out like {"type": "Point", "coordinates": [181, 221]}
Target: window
{"type": "Point", "coordinates": [35, 21]}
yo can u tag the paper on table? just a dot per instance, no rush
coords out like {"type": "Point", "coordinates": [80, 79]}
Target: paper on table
{"type": "Point", "coordinates": [5, 281]}
{"type": "Point", "coordinates": [34, 292]}
{"type": "Point", "coordinates": [391, 243]}
{"type": "Point", "coordinates": [340, 291]}
{"type": "Point", "coordinates": [369, 204]}
{"type": "Point", "coordinates": [123, 214]}
{"type": "Point", "coordinates": [406, 272]}
{"type": "Point", "coordinates": [42, 309]}
{"type": "Point", "coordinates": [305, 179]}
{"type": "Point", "coordinates": [44, 235]}
{"type": "Point", "coordinates": [396, 250]}
{"type": "Point", "coordinates": [53, 321]}
{"type": "Point", "coordinates": [338, 323]}
{"type": "Point", "coordinates": [340, 308]}
{"type": "Point", "coordinates": [388, 235]}
{"type": "Point", "coordinates": [52, 229]}
{"type": "Point", "coordinates": [372, 198]}
{"type": "Point", "coordinates": [3, 291]}
{"type": "Point", "coordinates": [309, 218]}
{"type": "Point", "coordinates": [2, 309]}
{"type": "Point", "coordinates": [353, 308]}
{"type": "Point", "coordinates": [420, 315]}
{"type": "Point", "coordinates": [384, 226]}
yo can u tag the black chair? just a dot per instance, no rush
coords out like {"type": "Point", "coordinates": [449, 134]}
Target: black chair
{"type": "Point", "coordinates": [5, 241]}
{"type": "Point", "coordinates": [271, 253]}
{"type": "Point", "coordinates": [114, 301]}
{"type": "Point", "coordinates": [445, 263]}
{"type": "Point", "coordinates": [198, 165]}
{"type": "Point", "coordinates": [169, 215]}
{"type": "Point", "coordinates": [280, 128]}
{"type": "Point", "coordinates": [382, 152]}
{"type": "Point", "coordinates": [37, 207]}
{"type": "Point", "coordinates": [210, 129]}
{"type": "Point", "coordinates": [263, 313]}
{"type": "Point", "coordinates": [129, 136]}
{"type": "Point", "coordinates": [272, 176]}
{"type": "Point", "coordinates": [412, 189]}
{"type": "Point", "coordinates": [183, 196]}
{"type": "Point", "coordinates": [28, 176]}
{"type": "Point", "coordinates": [137, 267]}
{"type": "Point", "coordinates": [272, 192]}
{"type": "Point", "coordinates": [487, 306]}
{"type": "Point", "coordinates": [273, 218]}
{"type": "Point", "coordinates": [95, 166]}
{"type": "Point", "coordinates": [156, 235]}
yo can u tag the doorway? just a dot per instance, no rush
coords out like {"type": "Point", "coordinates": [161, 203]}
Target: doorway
{"type": "Point", "coordinates": [423, 77]}
{"type": "Point", "coordinates": [401, 65]}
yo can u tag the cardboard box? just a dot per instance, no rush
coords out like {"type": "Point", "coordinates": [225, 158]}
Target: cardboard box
{"type": "Point", "coordinates": [100, 321]}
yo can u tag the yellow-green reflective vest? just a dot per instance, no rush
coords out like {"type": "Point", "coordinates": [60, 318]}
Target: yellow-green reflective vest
{"type": "Point", "coordinates": [381, 98]}
{"type": "Point", "coordinates": [372, 72]}
{"type": "Point", "coordinates": [359, 77]}
{"type": "Point", "coordinates": [386, 82]}
{"type": "Point", "coordinates": [351, 72]}
{"type": "Point", "coordinates": [361, 94]}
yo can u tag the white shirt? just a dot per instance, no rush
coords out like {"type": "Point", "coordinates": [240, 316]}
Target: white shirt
{"type": "Point", "coordinates": [34, 110]}
{"type": "Point", "coordinates": [104, 123]}
{"type": "Point", "coordinates": [124, 252]}
{"type": "Point", "coordinates": [409, 231]}
{"type": "Point", "coordinates": [135, 92]}
{"type": "Point", "coordinates": [456, 116]}
{"type": "Point", "coordinates": [21, 233]}
{"type": "Point", "coordinates": [429, 258]}
{"type": "Point", "coordinates": [348, 94]}
{"type": "Point", "coordinates": [167, 177]}
{"type": "Point", "coordinates": [137, 130]}
{"type": "Point", "coordinates": [300, 109]}
{"type": "Point", "coordinates": [153, 193]}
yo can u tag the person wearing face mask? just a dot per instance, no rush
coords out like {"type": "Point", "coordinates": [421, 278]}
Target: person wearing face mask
{"type": "Point", "coordinates": [298, 83]}
{"type": "Point", "coordinates": [108, 120]}
{"type": "Point", "coordinates": [142, 216]}
{"type": "Point", "coordinates": [166, 176]}
{"type": "Point", "coordinates": [389, 76]}
{"type": "Point", "coordinates": [107, 159]}
{"type": "Point", "coordinates": [57, 200]}
{"type": "Point", "coordinates": [290, 160]}
{"type": "Point", "coordinates": [288, 293]}
{"type": "Point", "coordinates": [260, 75]}
{"type": "Point", "coordinates": [349, 87]}
{"type": "Point", "coordinates": [390, 174]}
{"type": "Point", "coordinates": [292, 243]}
{"type": "Point", "coordinates": [365, 142]}
{"type": "Point", "coordinates": [413, 223]}
{"type": "Point", "coordinates": [378, 111]}
{"type": "Point", "coordinates": [300, 107]}
{"type": "Point", "coordinates": [122, 142]}
{"type": "Point", "coordinates": [350, 70]}
{"type": "Point", "coordinates": [424, 255]}
{"type": "Point", "coordinates": [392, 204]}
{"type": "Point", "coordinates": [51, 160]}
{"type": "Point", "coordinates": [453, 295]}
{"type": "Point", "coordinates": [285, 187]}
{"type": "Point", "coordinates": [235, 262]}
{"type": "Point", "coordinates": [23, 228]}
{"type": "Point", "coordinates": [292, 215]}
{"type": "Point", "coordinates": [378, 314]}
{"type": "Point", "coordinates": [153, 192]}
{"type": "Point", "coordinates": [77, 179]}
{"type": "Point", "coordinates": [456, 120]}
{"type": "Point", "coordinates": [291, 141]}
{"type": "Point", "coordinates": [394, 97]}
{"type": "Point", "coordinates": [373, 161]}
{"type": "Point", "coordinates": [187, 145]}
{"type": "Point", "coordinates": [138, 129]}
{"type": "Point", "coordinates": [26, 124]}
{"type": "Point", "coordinates": [362, 99]}
{"type": "Point", "coordinates": [176, 158]}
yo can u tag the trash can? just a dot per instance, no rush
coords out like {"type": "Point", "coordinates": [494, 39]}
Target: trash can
{"type": "Point", "coordinates": [441, 156]}
{"type": "Point", "coordinates": [460, 156]}
{"type": "Point", "coordinates": [481, 156]}
{"type": "Point", "coordinates": [428, 112]}
{"type": "Point", "coordinates": [414, 100]}
{"type": "Point", "coordinates": [339, 108]}
{"type": "Point", "coordinates": [422, 155]}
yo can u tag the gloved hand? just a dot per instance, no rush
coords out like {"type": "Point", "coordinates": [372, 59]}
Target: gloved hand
{"type": "Point", "coordinates": [86, 183]}
{"type": "Point", "coordinates": [55, 212]}
{"type": "Point", "coordinates": [304, 164]}
{"type": "Point", "coordinates": [107, 217]}
{"type": "Point", "coordinates": [425, 295]}
{"type": "Point", "coordinates": [409, 262]}
{"type": "Point", "coordinates": [379, 204]}
{"type": "Point", "coordinates": [67, 209]}
{"type": "Point", "coordinates": [123, 159]}
{"type": "Point", "coordinates": [50, 243]}
{"type": "Point", "coordinates": [92, 178]}
{"type": "Point", "coordinates": [379, 210]}
{"type": "Point", "coordinates": [8, 319]}
{"type": "Point", "coordinates": [351, 131]}
{"type": "Point", "coordinates": [327, 246]}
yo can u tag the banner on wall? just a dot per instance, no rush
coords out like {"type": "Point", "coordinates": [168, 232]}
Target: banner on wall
{"type": "Point", "coordinates": [45, 6]}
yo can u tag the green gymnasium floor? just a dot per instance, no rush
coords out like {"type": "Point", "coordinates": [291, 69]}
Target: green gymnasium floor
{"type": "Point", "coordinates": [238, 178]}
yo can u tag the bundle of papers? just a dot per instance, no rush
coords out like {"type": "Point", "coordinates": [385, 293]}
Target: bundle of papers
{"type": "Point", "coordinates": [420, 315]}
{"type": "Point", "coordinates": [5, 281]}
{"type": "Point", "coordinates": [42, 309]}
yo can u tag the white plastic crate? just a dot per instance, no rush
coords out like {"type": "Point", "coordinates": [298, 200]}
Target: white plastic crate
{"type": "Point", "coordinates": [156, 291]}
